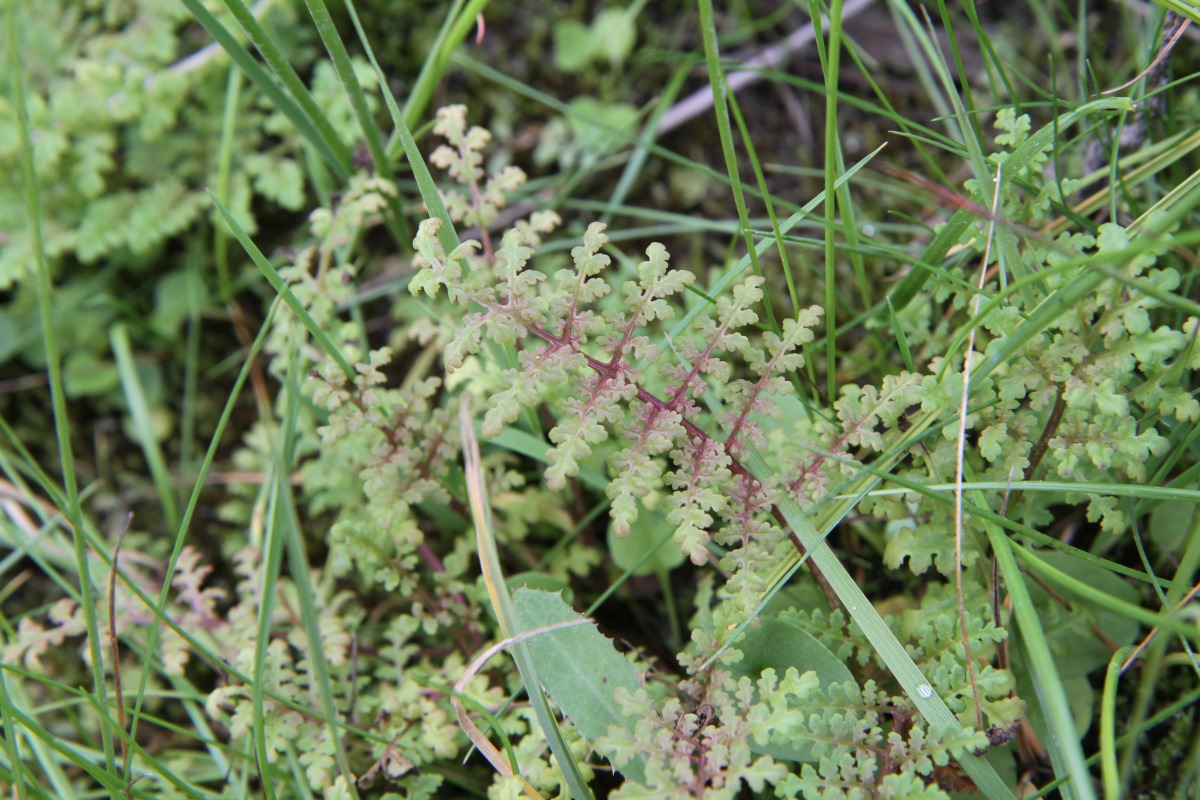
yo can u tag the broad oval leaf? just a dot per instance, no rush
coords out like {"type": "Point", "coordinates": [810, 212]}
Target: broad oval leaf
{"type": "Point", "coordinates": [579, 666]}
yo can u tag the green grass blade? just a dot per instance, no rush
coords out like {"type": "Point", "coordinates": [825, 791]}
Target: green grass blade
{"type": "Point", "coordinates": [274, 536]}
{"type": "Point", "coordinates": [62, 747]}
{"type": "Point", "coordinates": [761, 179]}
{"type": "Point", "coordinates": [193, 503]}
{"type": "Point", "coordinates": [966, 124]}
{"type": "Point", "coordinates": [1160, 493]}
{"type": "Point", "coordinates": [734, 273]}
{"type": "Point", "coordinates": [425, 183]}
{"type": "Point", "coordinates": [900, 337]}
{"type": "Point", "coordinates": [1066, 754]}
{"type": "Point", "coordinates": [716, 77]}
{"type": "Point", "coordinates": [833, 146]}
{"type": "Point", "coordinates": [300, 570]}
{"type": "Point", "coordinates": [1183, 8]}
{"type": "Point", "coordinates": [344, 68]}
{"type": "Point", "coordinates": [159, 768]}
{"type": "Point", "coordinates": [1108, 746]}
{"type": "Point", "coordinates": [139, 413]}
{"type": "Point", "coordinates": [259, 77]}
{"type": "Point", "coordinates": [62, 424]}
{"type": "Point", "coordinates": [1168, 622]}
{"type": "Point", "coordinates": [284, 291]}
{"type": "Point", "coordinates": [224, 172]}
{"type": "Point", "coordinates": [203, 649]}
{"type": "Point", "coordinates": [641, 151]}
{"type": "Point", "coordinates": [12, 745]}
{"type": "Point", "coordinates": [566, 110]}
{"type": "Point", "coordinates": [345, 72]}
{"type": "Point", "coordinates": [430, 195]}
{"type": "Point", "coordinates": [454, 30]}
{"type": "Point", "coordinates": [189, 411]}
{"type": "Point", "coordinates": [502, 604]}
{"type": "Point", "coordinates": [273, 55]}
{"type": "Point", "coordinates": [1093, 270]}
{"type": "Point", "coordinates": [889, 648]}
{"type": "Point", "coordinates": [960, 90]}
{"type": "Point", "coordinates": [860, 609]}
{"type": "Point", "coordinates": [1153, 658]}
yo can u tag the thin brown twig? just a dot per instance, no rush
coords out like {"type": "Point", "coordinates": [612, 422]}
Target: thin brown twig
{"type": "Point", "coordinates": [960, 466]}
{"type": "Point", "coordinates": [1163, 54]}
{"type": "Point", "coordinates": [1137, 651]}
{"type": "Point", "coordinates": [1043, 442]}
{"type": "Point", "coordinates": [497, 759]}
{"type": "Point", "coordinates": [238, 319]}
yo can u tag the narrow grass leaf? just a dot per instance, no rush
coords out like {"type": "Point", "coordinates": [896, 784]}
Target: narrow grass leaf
{"type": "Point", "coordinates": [587, 120]}
{"type": "Point", "coordinates": [901, 338]}
{"type": "Point", "coordinates": [641, 151]}
{"type": "Point", "coordinates": [272, 53]}
{"type": "Point", "coordinates": [425, 183]}
{"type": "Point", "coordinates": [861, 610]}
{"type": "Point", "coordinates": [62, 426]}
{"type": "Point", "coordinates": [12, 745]}
{"type": "Point", "coordinates": [502, 605]}
{"type": "Point", "coordinates": [229, 120]}
{"type": "Point", "coordinates": [274, 538]}
{"type": "Point", "coordinates": [282, 289]}
{"type": "Point", "coordinates": [833, 145]}
{"type": "Point", "coordinates": [1171, 622]}
{"type": "Point", "coordinates": [731, 275]}
{"type": "Point", "coordinates": [892, 652]}
{"type": "Point", "coordinates": [157, 609]}
{"type": "Point", "coordinates": [958, 92]}
{"type": "Point", "coordinates": [345, 72]}
{"type": "Point", "coordinates": [1108, 706]}
{"type": "Point", "coordinates": [943, 493]}
{"type": "Point", "coordinates": [722, 100]}
{"type": "Point", "coordinates": [140, 414]}
{"type": "Point", "coordinates": [338, 162]}
{"type": "Point", "coordinates": [458, 23]}
{"type": "Point", "coordinates": [301, 574]}
{"type": "Point", "coordinates": [77, 760]}
{"type": "Point", "coordinates": [1066, 754]}
{"type": "Point", "coordinates": [749, 233]}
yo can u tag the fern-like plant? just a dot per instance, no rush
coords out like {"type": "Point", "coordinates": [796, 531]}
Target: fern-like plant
{"type": "Point", "coordinates": [600, 366]}
{"type": "Point", "coordinates": [673, 418]}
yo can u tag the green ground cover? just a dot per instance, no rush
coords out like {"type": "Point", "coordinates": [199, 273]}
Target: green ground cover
{"type": "Point", "coordinates": [573, 399]}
